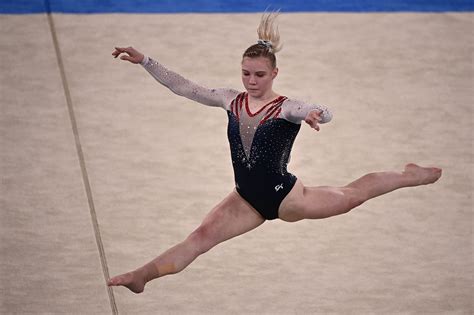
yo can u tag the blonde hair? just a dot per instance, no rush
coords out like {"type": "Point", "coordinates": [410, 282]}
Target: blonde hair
{"type": "Point", "coordinates": [268, 39]}
{"type": "Point", "coordinates": [268, 30]}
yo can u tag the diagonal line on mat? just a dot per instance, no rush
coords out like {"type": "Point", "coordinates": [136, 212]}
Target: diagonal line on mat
{"type": "Point", "coordinates": [85, 176]}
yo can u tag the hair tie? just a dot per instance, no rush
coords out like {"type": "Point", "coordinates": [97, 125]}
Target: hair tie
{"type": "Point", "coordinates": [265, 43]}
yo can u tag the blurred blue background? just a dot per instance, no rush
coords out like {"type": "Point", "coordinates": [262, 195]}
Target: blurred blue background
{"type": "Point", "coordinates": [235, 6]}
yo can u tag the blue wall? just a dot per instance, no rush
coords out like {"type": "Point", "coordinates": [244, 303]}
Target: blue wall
{"type": "Point", "coordinates": [214, 6]}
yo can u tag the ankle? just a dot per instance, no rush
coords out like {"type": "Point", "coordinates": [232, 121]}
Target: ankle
{"type": "Point", "coordinates": [147, 272]}
{"type": "Point", "coordinates": [411, 178]}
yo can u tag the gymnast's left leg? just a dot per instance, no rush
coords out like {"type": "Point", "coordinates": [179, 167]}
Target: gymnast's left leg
{"type": "Point", "coordinates": [322, 202]}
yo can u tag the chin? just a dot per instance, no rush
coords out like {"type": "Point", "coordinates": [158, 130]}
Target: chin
{"type": "Point", "coordinates": [254, 92]}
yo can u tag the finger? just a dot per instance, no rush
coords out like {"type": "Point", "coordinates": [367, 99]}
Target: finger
{"type": "Point", "coordinates": [315, 116]}
{"type": "Point", "coordinates": [123, 50]}
{"type": "Point", "coordinates": [311, 123]}
{"type": "Point", "coordinates": [129, 50]}
{"type": "Point", "coordinates": [314, 121]}
{"type": "Point", "coordinates": [125, 57]}
{"type": "Point", "coordinates": [314, 125]}
{"type": "Point", "coordinates": [118, 51]}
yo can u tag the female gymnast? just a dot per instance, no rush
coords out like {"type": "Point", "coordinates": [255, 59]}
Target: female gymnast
{"type": "Point", "coordinates": [262, 126]}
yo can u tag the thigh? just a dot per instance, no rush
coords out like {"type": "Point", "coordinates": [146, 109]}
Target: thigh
{"type": "Point", "coordinates": [233, 216]}
{"type": "Point", "coordinates": [316, 202]}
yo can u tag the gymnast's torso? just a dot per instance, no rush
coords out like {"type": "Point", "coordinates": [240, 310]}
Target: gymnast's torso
{"type": "Point", "coordinates": [260, 145]}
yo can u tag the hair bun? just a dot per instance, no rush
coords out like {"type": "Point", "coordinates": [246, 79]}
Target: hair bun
{"type": "Point", "coordinates": [266, 43]}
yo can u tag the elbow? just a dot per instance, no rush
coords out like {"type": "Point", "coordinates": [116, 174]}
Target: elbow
{"type": "Point", "coordinates": [178, 90]}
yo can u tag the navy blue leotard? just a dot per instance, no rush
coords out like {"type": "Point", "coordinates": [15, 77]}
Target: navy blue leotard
{"type": "Point", "coordinates": [261, 175]}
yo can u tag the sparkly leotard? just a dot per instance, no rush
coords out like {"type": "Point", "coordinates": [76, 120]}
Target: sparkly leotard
{"type": "Point", "coordinates": [260, 142]}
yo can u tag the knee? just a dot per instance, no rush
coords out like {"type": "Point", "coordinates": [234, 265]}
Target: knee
{"type": "Point", "coordinates": [353, 198]}
{"type": "Point", "coordinates": [201, 240]}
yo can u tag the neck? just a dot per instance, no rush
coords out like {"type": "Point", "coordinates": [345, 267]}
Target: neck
{"type": "Point", "coordinates": [264, 98]}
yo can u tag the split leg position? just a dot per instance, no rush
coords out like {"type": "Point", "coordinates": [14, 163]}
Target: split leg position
{"type": "Point", "coordinates": [233, 217]}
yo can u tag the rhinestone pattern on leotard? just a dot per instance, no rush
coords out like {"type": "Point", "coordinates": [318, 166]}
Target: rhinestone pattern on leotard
{"type": "Point", "coordinates": [250, 124]}
{"type": "Point", "coordinates": [261, 175]}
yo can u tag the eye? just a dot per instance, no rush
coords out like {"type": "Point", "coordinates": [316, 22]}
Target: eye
{"type": "Point", "coordinates": [246, 74]}
{"type": "Point", "coordinates": [260, 75]}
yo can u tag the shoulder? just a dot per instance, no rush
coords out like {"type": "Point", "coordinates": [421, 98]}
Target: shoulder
{"type": "Point", "coordinates": [223, 96]}
{"type": "Point", "coordinates": [230, 96]}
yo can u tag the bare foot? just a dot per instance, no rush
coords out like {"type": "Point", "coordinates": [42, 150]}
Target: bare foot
{"type": "Point", "coordinates": [423, 175]}
{"type": "Point", "coordinates": [134, 281]}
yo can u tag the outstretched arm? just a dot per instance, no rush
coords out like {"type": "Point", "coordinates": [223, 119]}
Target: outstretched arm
{"type": "Point", "coordinates": [313, 114]}
{"type": "Point", "coordinates": [175, 82]}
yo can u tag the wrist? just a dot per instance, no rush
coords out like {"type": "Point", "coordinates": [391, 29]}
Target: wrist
{"type": "Point", "coordinates": [144, 60]}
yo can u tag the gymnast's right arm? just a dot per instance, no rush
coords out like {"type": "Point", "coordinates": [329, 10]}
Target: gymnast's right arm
{"type": "Point", "coordinates": [176, 83]}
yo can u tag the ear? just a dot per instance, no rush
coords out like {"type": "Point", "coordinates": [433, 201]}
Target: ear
{"type": "Point", "coordinates": [274, 73]}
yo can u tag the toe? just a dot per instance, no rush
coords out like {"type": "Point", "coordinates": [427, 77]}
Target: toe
{"type": "Point", "coordinates": [115, 281]}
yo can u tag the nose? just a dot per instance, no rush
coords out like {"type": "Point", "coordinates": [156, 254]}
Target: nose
{"type": "Point", "coordinates": [252, 80]}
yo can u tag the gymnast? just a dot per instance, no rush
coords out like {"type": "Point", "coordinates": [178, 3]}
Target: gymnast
{"type": "Point", "coordinates": [262, 126]}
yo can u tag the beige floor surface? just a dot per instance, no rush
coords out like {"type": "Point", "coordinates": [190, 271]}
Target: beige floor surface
{"type": "Point", "coordinates": [400, 88]}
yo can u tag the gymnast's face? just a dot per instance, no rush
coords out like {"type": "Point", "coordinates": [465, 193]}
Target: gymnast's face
{"type": "Point", "coordinates": [258, 75]}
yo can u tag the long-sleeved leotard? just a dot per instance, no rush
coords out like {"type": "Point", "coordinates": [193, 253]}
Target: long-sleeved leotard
{"type": "Point", "coordinates": [260, 142]}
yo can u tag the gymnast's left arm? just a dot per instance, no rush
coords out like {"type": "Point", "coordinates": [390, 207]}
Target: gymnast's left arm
{"type": "Point", "coordinates": [313, 114]}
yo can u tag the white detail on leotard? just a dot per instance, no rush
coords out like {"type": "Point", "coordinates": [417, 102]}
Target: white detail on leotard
{"type": "Point", "coordinates": [221, 97]}
{"type": "Point", "coordinates": [291, 110]}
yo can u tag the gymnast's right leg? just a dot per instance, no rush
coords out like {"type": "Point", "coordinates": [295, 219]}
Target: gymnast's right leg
{"type": "Point", "coordinates": [230, 218]}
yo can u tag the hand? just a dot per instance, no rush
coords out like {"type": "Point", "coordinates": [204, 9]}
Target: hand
{"type": "Point", "coordinates": [132, 55]}
{"type": "Point", "coordinates": [313, 118]}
